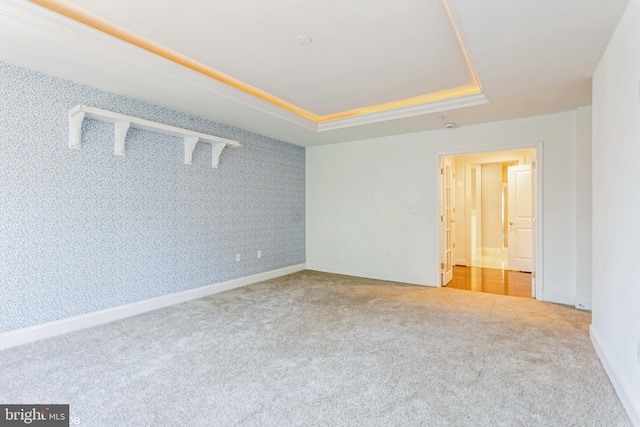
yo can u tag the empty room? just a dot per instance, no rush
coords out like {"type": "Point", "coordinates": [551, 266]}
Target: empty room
{"type": "Point", "coordinates": [319, 213]}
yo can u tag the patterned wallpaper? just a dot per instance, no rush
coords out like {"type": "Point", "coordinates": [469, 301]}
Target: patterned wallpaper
{"type": "Point", "coordinates": [84, 230]}
{"type": "Point", "coordinates": [491, 205]}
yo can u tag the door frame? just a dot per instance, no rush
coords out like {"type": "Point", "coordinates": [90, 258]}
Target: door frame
{"type": "Point", "coordinates": [538, 157]}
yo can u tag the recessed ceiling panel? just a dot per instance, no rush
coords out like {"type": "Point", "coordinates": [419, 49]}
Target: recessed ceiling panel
{"type": "Point", "coordinates": [363, 53]}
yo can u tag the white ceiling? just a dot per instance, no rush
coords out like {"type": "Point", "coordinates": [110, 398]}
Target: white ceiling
{"type": "Point", "coordinates": [532, 56]}
{"type": "Point", "coordinates": [362, 52]}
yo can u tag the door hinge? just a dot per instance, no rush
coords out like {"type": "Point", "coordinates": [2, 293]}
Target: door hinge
{"type": "Point", "coordinates": [533, 165]}
{"type": "Point", "coordinates": [441, 218]}
{"type": "Point", "coordinates": [441, 171]}
{"type": "Point", "coordinates": [533, 274]}
{"type": "Point", "coordinates": [442, 266]}
{"type": "Point", "coordinates": [454, 246]}
{"type": "Point", "coordinates": [454, 176]}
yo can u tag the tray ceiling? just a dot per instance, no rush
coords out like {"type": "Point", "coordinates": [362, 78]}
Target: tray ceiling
{"type": "Point", "coordinates": [364, 58]}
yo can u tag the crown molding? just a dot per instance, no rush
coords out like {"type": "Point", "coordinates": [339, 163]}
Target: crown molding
{"type": "Point", "coordinates": [399, 113]}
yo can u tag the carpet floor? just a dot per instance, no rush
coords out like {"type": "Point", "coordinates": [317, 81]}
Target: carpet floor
{"type": "Point", "coordinates": [317, 349]}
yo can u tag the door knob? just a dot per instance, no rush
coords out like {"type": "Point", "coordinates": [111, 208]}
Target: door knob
{"type": "Point", "coordinates": [510, 222]}
{"type": "Point", "coordinates": [453, 220]}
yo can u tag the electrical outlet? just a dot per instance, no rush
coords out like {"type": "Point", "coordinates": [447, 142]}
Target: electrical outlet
{"type": "Point", "coordinates": [238, 258]}
{"type": "Point", "coordinates": [259, 254]}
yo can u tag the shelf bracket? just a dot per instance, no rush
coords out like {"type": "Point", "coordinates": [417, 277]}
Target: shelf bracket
{"type": "Point", "coordinates": [75, 129]}
{"type": "Point", "coordinates": [189, 145]}
{"type": "Point", "coordinates": [216, 150]}
{"type": "Point", "coordinates": [121, 130]}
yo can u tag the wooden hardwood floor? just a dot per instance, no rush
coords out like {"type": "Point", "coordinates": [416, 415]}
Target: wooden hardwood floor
{"type": "Point", "coordinates": [494, 281]}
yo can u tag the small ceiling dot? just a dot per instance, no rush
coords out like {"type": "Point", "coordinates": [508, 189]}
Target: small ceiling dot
{"type": "Point", "coordinates": [303, 40]}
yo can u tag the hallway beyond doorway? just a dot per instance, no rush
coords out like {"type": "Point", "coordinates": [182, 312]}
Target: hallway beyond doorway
{"type": "Point", "coordinates": [497, 259]}
{"type": "Point", "coordinates": [489, 220]}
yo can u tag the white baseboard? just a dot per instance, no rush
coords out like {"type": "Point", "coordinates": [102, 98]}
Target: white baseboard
{"type": "Point", "coordinates": [63, 326]}
{"type": "Point", "coordinates": [630, 402]}
{"type": "Point", "coordinates": [558, 298]}
{"type": "Point", "coordinates": [583, 304]}
{"type": "Point", "coordinates": [367, 275]}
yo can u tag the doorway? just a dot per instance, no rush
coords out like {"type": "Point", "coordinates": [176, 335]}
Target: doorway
{"type": "Point", "coordinates": [489, 226]}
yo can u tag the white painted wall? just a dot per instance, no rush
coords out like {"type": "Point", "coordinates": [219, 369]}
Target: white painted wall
{"type": "Point", "coordinates": [616, 210]}
{"type": "Point", "coordinates": [583, 207]}
{"type": "Point", "coordinates": [371, 204]}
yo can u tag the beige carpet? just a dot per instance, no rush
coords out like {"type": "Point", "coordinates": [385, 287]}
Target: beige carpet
{"type": "Point", "coordinates": [315, 349]}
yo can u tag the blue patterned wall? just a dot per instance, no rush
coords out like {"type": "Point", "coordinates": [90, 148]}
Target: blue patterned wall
{"type": "Point", "coordinates": [83, 230]}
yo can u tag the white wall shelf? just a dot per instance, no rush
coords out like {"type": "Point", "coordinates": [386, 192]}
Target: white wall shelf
{"type": "Point", "coordinates": [123, 123]}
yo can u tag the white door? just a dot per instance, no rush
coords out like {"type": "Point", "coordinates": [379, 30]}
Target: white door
{"type": "Point", "coordinates": [447, 219]}
{"type": "Point", "coordinates": [520, 218]}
